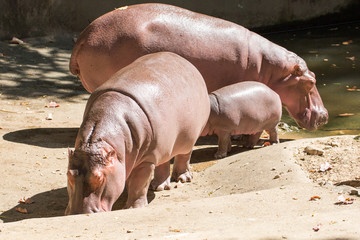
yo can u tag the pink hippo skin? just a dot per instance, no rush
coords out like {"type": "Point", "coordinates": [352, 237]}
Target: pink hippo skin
{"type": "Point", "coordinates": [243, 108]}
{"type": "Point", "coordinates": [145, 114]}
{"type": "Point", "coordinates": [224, 52]}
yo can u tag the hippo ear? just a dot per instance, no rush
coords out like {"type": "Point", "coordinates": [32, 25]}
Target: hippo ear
{"type": "Point", "coordinates": [297, 70]}
{"type": "Point", "coordinates": [70, 153]}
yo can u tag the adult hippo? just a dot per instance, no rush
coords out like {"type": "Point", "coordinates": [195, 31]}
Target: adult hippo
{"type": "Point", "coordinates": [145, 114]}
{"type": "Point", "coordinates": [224, 53]}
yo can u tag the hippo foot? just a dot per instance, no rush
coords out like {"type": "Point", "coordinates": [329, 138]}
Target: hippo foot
{"type": "Point", "coordinates": [155, 186]}
{"type": "Point", "coordinates": [184, 177]}
{"type": "Point", "coordinates": [219, 155]}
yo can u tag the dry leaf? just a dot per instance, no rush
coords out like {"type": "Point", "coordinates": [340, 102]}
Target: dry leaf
{"type": "Point", "coordinates": [315, 198]}
{"type": "Point", "coordinates": [325, 167]}
{"type": "Point", "coordinates": [52, 105]}
{"type": "Point", "coordinates": [347, 42]}
{"type": "Point", "coordinates": [344, 201]}
{"type": "Point", "coordinates": [317, 227]}
{"type": "Point", "coordinates": [345, 114]}
{"type": "Point", "coordinates": [21, 210]}
{"type": "Point", "coordinates": [15, 40]}
{"type": "Point", "coordinates": [26, 200]}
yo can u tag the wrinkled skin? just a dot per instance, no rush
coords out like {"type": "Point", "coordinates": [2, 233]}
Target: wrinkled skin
{"type": "Point", "coordinates": [243, 108]}
{"type": "Point", "coordinates": [224, 53]}
{"type": "Point", "coordinates": [147, 113]}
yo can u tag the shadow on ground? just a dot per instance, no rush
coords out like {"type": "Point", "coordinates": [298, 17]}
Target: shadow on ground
{"type": "Point", "coordinates": [53, 204]}
{"type": "Point", "coordinates": [44, 137]}
{"type": "Point", "coordinates": [38, 67]}
{"type": "Point", "coordinates": [206, 148]}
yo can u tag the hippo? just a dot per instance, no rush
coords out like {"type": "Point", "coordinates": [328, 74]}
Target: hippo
{"type": "Point", "coordinates": [224, 52]}
{"type": "Point", "coordinates": [243, 108]}
{"type": "Point", "coordinates": [147, 113]}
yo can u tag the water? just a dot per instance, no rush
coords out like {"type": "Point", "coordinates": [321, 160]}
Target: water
{"type": "Point", "coordinates": [333, 54]}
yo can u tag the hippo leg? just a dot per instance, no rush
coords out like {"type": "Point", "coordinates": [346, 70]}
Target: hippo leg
{"type": "Point", "coordinates": [224, 142]}
{"type": "Point", "coordinates": [274, 137]}
{"type": "Point", "coordinates": [138, 184]}
{"type": "Point", "coordinates": [241, 139]}
{"type": "Point", "coordinates": [253, 139]}
{"type": "Point", "coordinates": [161, 179]}
{"type": "Point", "coordinates": [181, 169]}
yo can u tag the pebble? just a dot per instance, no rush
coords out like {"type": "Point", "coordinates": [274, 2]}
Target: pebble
{"type": "Point", "coordinates": [49, 117]}
{"type": "Point", "coordinates": [179, 184]}
{"type": "Point", "coordinates": [310, 150]}
{"type": "Point", "coordinates": [354, 192]}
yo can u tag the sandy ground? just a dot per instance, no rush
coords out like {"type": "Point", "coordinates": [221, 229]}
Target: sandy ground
{"type": "Point", "coordinates": [276, 192]}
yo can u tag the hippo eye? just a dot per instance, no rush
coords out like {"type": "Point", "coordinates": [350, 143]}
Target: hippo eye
{"type": "Point", "coordinates": [96, 179]}
{"type": "Point", "coordinates": [71, 174]}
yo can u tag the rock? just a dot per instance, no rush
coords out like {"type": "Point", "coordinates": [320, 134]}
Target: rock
{"type": "Point", "coordinates": [333, 144]}
{"type": "Point", "coordinates": [310, 150]}
{"type": "Point", "coordinates": [354, 192]}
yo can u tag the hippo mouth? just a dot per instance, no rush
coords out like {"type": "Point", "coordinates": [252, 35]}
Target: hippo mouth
{"type": "Point", "coordinates": [312, 117]}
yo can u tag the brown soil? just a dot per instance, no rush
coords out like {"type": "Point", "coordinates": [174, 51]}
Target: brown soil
{"type": "Point", "coordinates": [259, 194]}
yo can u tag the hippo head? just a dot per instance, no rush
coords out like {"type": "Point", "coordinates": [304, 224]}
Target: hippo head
{"type": "Point", "coordinates": [95, 181]}
{"type": "Point", "coordinates": [301, 98]}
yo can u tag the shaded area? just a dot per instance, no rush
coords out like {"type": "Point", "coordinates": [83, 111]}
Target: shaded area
{"type": "Point", "coordinates": [120, 203]}
{"type": "Point", "coordinates": [53, 204]}
{"type": "Point", "coordinates": [47, 204]}
{"type": "Point", "coordinates": [38, 67]}
{"type": "Point", "coordinates": [206, 147]}
{"type": "Point", "coordinates": [44, 137]}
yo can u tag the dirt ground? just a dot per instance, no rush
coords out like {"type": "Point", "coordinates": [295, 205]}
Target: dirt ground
{"type": "Point", "coordinates": [285, 191]}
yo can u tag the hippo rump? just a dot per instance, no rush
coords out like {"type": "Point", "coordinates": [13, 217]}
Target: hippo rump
{"type": "Point", "coordinates": [145, 114]}
{"type": "Point", "coordinates": [224, 53]}
{"type": "Point", "coordinates": [243, 108]}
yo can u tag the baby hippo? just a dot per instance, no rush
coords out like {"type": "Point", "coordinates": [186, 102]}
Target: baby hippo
{"type": "Point", "coordinates": [145, 114]}
{"type": "Point", "coordinates": [243, 108]}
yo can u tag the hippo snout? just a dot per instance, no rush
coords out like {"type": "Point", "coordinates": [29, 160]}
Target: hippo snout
{"type": "Point", "coordinates": [318, 119]}
{"type": "Point", "coordinates": [322, 119]}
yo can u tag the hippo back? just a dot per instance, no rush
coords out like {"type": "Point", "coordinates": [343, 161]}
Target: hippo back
{"type": "Point", "coordinates": [170, 91]}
